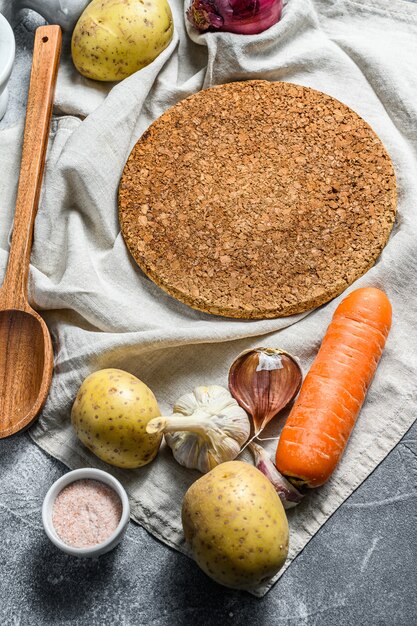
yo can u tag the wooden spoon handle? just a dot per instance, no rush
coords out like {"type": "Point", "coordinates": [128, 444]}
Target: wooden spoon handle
{"type": "Point", "coordinates": [43, 76]}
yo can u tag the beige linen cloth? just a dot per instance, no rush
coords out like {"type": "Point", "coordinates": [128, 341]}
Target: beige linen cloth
{"type": "Point", "coordinates": [103, 312]}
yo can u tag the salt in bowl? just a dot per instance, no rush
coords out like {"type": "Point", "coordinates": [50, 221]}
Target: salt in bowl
{"type": "Point", "coordinates": [58, 486]}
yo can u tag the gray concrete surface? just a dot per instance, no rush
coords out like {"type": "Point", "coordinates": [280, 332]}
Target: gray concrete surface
{"type": "Point", "coordinates": [359, 570]}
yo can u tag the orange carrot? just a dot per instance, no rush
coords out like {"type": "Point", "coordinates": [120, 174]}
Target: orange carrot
{"type": "Point", "coordinates": [324, 414]}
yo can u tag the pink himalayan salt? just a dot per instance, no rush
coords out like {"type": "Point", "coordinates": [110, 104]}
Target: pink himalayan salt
{"type": "Point", "coordinates": [86, 513]}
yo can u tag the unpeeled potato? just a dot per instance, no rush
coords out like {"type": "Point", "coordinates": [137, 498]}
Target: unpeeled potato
{"type": "Point", "coordinates": [110, 415]}
{"type": "Point", "coordinates": [235, 525]}
{"type": "Point", "coordinates": [115, 38]}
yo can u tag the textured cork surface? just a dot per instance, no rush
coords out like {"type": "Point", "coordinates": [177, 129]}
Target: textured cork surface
{"type": "Point", "coordinates": [257, 199]}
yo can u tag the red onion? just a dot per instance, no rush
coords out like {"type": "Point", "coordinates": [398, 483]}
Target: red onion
{"type": "Point", "coordinates": [245, 17]}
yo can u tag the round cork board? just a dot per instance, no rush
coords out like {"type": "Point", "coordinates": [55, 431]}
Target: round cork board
{"type": "Point", "coordinates": [257, 199]}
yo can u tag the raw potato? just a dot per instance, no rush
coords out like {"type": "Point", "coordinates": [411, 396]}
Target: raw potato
{"type": "Point", "coordinates": [235, 525]}
{"type": "Point", "coordinates": [115, 38]}
{"type": "Point", "coordinates": [110, 414]}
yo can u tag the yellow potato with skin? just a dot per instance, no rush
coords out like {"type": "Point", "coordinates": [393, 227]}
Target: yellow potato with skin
{"type": "Point", "coordinates": [115, 38]}
{"type": "Point", "coordinates": [236, 526]}
{"type": "Point", "coordinates": [110, 414]}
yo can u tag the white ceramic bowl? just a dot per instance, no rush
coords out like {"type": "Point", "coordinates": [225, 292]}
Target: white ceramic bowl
{"type": "Point", "coordinates": [58, 486]}
{"type": "Point", "coordinates": [7, 52]}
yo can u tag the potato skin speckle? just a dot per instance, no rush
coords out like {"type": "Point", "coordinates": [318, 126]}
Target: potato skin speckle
{"type": "Point", "coordinates": [221, 520]}
{"type": "Point", "coordinates": [112, 395]}
{"type": "Point", "coordinates": [115, 38]}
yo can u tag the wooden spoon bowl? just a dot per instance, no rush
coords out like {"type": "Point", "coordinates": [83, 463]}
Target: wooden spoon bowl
{"type": "Point", "coordinates": [25, 346]}
{"type": "Point", "coordinates": [26, 354]}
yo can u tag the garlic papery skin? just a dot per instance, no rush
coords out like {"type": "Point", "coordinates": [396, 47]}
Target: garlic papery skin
{"type": "Point", "coordinates": [264, 381]}
{"type": "Point", "coordinates": [289, 495]}
{"type": "Point", "coordinates": [207, 428]}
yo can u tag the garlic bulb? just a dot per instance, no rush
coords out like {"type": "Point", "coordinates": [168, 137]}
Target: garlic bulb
{"type": "Point", "coordinates": [208, 427]}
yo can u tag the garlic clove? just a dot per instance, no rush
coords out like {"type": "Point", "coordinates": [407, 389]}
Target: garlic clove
{"type": "Point", "coordinates": [264, 381]}
{"type": "Point", "coordinates": [289, 495]}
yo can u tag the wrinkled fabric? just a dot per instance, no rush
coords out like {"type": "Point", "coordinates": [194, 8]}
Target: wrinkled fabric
{"type": "Point", "coordinates": [104, 312]}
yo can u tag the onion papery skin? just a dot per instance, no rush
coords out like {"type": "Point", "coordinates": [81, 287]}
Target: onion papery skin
{"type": "Point", "coordinates": [244, 17]}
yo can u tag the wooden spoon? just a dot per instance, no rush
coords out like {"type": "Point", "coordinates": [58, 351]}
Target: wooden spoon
{"type": "Point", "coordinates": [26, 355]}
